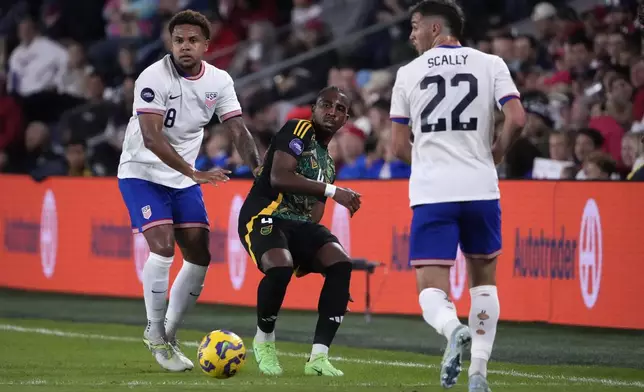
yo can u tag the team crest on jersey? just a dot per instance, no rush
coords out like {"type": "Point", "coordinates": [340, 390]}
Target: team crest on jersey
{"type": "Point", "coordinates": [147, 212]}
{"type": "Point", "coordinates": [211, 99]}
{"type": "Point", "coordinates": [266, 230]}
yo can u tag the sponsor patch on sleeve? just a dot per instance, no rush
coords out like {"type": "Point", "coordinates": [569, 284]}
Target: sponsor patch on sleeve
{"type": "Point", "coordinates": [147, 95]}
{"type": "Point", "coordinates": [296, 146]}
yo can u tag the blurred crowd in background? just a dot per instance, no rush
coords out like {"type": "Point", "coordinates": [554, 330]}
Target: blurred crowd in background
{"type": "Point", "coordinates": [67, 72]}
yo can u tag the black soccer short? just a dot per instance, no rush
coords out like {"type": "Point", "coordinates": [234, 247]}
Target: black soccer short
{"type": "Point", "coordinates": [302, 239]}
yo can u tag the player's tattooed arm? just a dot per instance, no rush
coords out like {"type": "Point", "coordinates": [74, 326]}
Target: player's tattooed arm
{"type": "Point", "coordinates": [244, 142]}
{"type": "Point", "coordinates": [401, 141]}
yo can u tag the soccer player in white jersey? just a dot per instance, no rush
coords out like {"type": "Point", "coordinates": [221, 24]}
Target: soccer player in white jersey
{"type": "Point", "coordinates": [174, 99]}
{"type": "Point", "coordinates": [448, 94]}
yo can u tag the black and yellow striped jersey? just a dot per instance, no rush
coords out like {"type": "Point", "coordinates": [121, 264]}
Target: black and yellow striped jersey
{"type": "Point", "coordinates": [296, 138]}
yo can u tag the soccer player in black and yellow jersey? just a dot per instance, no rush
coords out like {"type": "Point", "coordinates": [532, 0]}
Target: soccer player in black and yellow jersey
{"type": "Point", "coordinates": [278, 225]}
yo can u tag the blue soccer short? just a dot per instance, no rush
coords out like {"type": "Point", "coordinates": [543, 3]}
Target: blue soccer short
{"type": "Point", "coordinates": [151, 205]}
{"type": "Point", "coordinates": [437, 229]}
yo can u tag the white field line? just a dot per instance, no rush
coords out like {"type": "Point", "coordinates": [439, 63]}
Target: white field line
{"type": "Point", "coordinates": [546, 378]}
{"type": "Point", "coordinates": [140, 383]}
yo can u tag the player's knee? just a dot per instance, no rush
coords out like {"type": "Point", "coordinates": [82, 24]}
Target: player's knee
{"type": "Point", "coordinates": [482, 271]}
{"type": "Point", "coordinates": [161, 242]}
{"type": "Point", "coordinates": [198, 255]}
{"type": "Point", "coordinates": [340, 269]}
{"type": "Point", "coordinates": [276, 258]}
{"type": "Point", "coordinates": [162, 246]}
{"type": "Point", "coordinates": [432, 277]}
{"type": "Point", "coordinates": [279, 276]}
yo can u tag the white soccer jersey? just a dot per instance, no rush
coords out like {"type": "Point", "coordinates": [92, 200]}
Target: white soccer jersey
{"type": "Point", "coordinates": [448, 96]}
{"type": "Point", "coordinates": [187, 104]}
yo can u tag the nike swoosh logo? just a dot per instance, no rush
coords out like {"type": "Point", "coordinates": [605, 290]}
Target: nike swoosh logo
{"type": "Point", "coordinates": [158, 292]}
{"type": "Point", "coordinates": [193, 294]}
{"type": "Point", "coordinates": [175, 97]}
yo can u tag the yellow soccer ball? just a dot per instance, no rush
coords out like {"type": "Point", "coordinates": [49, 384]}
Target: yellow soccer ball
{"type": "Point", "coordinates": [221, 354]}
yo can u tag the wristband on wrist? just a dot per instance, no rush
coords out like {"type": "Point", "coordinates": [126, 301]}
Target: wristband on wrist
{"type": "Point", "coordinates": [329, 191]}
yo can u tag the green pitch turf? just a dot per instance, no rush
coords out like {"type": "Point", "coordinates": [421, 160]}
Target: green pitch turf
{"type": "Point", "coordinates": [63, 356]}
{"type": "Point", "coordinates": [73, 343]}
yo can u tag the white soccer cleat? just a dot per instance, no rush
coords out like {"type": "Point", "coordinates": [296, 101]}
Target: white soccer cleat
{"type": "Point", "coordinates": [177, 350]}
{"type": "Point", "coordinates": [478, 383]}
{"type": "Point", "coordinates": [165, 355]}
{"type": "Point", "coordinates": [451, 365]}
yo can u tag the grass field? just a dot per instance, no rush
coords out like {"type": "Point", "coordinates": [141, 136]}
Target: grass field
{"type": "Point", "coordinates": [64, 343]}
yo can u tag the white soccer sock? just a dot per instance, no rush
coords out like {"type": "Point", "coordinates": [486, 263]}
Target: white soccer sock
{"type": "Point", "coordinates": [439, 311]}
{"type": "Point", "coordinates": [263, 337]}
{"type": "Point", "coordinates": [319, 349]}
{"type": "Point", "coordinates": [156, 275]}
{"type": "Point", "coordinates": [183, 295]}
{"type": "Point", "coordinates": [484, 316]}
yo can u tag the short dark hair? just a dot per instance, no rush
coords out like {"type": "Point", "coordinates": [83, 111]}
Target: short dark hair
{"type": "Point", "coordinates": [334, 89]}
{"type": "Point", "coordinates": [190, 17]}
{"type": "Point", "coordinates": [594, 135]}
{"type": "Point", "coordinates": [581, 39]}
{"type": "Point", "coordinates": [446, 9]}
{"type": "Point", "coordinates": [77, 140]}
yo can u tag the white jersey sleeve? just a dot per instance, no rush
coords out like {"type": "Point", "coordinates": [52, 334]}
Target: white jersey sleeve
{"type": "Point", "coordinates": [227, 105]}
{"type": "Point", "coordinates": [151, 92]}
{"type": "Point", "coordinates": [400, 111]}
{"type": "Point", "coordinates": [504, 87]}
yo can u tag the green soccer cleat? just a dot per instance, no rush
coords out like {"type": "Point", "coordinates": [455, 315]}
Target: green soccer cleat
{"type": "Point", "coordinates": [319, 365]}
{"type": "Point", "coordinates": [266, 357]}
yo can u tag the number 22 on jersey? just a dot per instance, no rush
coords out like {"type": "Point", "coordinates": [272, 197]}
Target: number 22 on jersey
{"type": "Point", "coordinates": [441, 124]}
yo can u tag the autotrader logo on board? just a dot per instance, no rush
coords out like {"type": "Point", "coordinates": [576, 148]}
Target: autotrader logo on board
{"type": "Point", "coordinates": [538, 256]}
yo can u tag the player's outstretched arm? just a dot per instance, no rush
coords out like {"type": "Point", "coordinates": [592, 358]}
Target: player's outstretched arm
{"type": "Point", "coordinates": [401, 141]}
{"type": "Point", "coordinates": [155, 141]}
{"type": "Point", "coordinates": [514, 121]}
{"type": "Point", "coordinates": [284, 178]}
{"type": "Point", "coordinates": [244, 142]}
{"type": "Point", "coordinates": [290, 143]}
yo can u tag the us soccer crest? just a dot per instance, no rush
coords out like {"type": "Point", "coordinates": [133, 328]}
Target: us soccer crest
{"type": "Point", "coordinates": [211, 99]}
{"type": "Point", "coordinates": [147, 212]}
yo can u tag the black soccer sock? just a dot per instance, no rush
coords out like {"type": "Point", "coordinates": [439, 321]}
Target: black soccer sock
{"type": "Point", "coordinates": [333, 302]}
{"type": "Point", "coordinates": [270, 295]}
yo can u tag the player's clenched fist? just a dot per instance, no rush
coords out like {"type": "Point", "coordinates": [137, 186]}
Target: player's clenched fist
{"type": "Point", "coordinates": [212, 177]}
{"type": "Point", "coordinates": [348, 198]}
